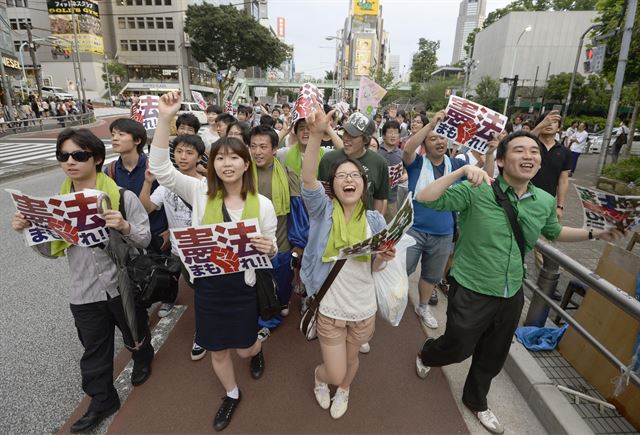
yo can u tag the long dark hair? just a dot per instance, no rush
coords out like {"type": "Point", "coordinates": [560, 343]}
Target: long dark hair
{"type": "Point", "coordinates": [228, 145]}
{"type": "Point", "coordinates": [365, 190]}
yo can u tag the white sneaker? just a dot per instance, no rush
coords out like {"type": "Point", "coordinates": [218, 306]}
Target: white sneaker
{"type": "Point", "coordinates": [365, 348]}
{"type": "Point", "coordinates": [340, 403]}
{"type": "Point", "coordinates": [197, 352]}
{"type": "Point", "coordinates": [263, 334]}
{"type": "Point", "coordinates": [421, 370]}
{"type": "Point", "coordinates": [427, 319]}
{"type": "Point", "coordinates": [284, 312]}
{"type": "Point", "coordinates": [322, 393]}
{"type": "Point", "coordinates": [490, 421]}
{"type": "Point", "coordinates": [165, 309]}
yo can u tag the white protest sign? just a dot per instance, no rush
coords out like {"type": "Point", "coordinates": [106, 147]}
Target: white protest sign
{"type": "Point", "coordinates": [603, 211]}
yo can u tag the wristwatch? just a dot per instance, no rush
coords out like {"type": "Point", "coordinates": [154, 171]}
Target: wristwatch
{"type": "Point", "coordinates": [591, 236]}
{"type": "Point", "coordinates": [561, 207]}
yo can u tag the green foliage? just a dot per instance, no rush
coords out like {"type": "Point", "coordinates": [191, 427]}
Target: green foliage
{"type": "Point", "coordinates": [329, 75]}
{"type": "Point", "coordinates": [228, 39]}
{"type": "Point", "coordinates": [627, 170]}
{"type": "Point", "coordinates": [116, 74]}
{"type": "Point", "coordinates": [434, 93]}
{"type": "Point", "coordinates": [425, 61]}
{"type": "Point", "coordinates": [600, 121]}
{"type": "Point", "coordinates": [487, 93]}
{"type": "Point", "coordinates": [382, 77]}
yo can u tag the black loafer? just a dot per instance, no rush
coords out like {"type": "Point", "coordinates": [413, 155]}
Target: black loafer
{"type": "Point", "coordinates": [225, 412]}
{"type": "Point", "coordinates": [91, 419]}
{"type": "Point", "coordinates": [140, 373]}
{"type": "Point", "coordinates": [257, 365]}
{"type": "Point", "coordinates": [433, 300]}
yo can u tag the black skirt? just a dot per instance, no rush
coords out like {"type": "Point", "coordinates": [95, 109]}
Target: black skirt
{"type": "Point", "coordinates": [226, 312]}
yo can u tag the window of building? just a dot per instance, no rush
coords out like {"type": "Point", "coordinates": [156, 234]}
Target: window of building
{"type": "Point", "coordinates": [10, 4]}
{"type": "Point", "coordinates": [131, 23]}
{"type": "Point", "coordinates": [140, 21]}
{"type": "Point", "coordinates": [19, 23]}
{"type": "Point", "coordinates": [138, 2]}
{"type": "Point", "coordinates": [159, 23]}
{"type": "Point", "coordinates": [158, 2]}
{"type": "Point", "coordinates": [124, 45]}
{"type": "Point", "coordinates": [133, 45]}
{"type": "Point", "coordinates": [151, 23]}
{"type": "Point", "coordinates": [167, 2]}
{"type": "Point", "coordinates": [169, 23]}
{"type": "Point", "coordinates": [162, 46]}
{"type": "Point", "coordinates": [152, 46]}
{"type": "Point", "coordinates": [171, 46]}
{"type": "Point", "coordinates": [129, 2]}
{"type": "Point", "coordinates": [148, 2]}
{"type": "Point", "coordinates": [121, 23]}
{"type": "Point", "coordinates": [142, 45]}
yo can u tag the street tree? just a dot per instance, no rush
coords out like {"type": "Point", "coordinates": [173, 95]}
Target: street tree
{"type": "Point", "coordinates": [558, 87]}
{"type": "Point", "coordinates": [115, 73]}
{"type": "Point", "coordinates": [382, 77]}
{"type": "Point", "coordinates": [487, 93]}
{"type": "Point", "coordinates": [425, 61]}
{"type": "Point", "coordinates": [227, 40]}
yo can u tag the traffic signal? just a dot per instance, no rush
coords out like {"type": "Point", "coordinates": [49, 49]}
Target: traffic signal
{"type": "Point", "coordinates": [588, 60]}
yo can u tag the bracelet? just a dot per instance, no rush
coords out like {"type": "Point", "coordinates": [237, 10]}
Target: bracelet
{"type": "Point", "coordinates": [590, 233]}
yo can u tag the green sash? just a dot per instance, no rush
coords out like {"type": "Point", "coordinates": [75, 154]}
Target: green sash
{"type": "Point", "coordinates": [213, 211]}
{"type": "Point", "coordinates": [294, 158]}
{"type": "Point", "coordinates": [344, 234]}
{"type": "Point", "coordinates": [279, 187]}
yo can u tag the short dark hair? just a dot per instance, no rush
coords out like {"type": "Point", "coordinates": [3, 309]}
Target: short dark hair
{"type": "Point", "coordinates": [245, 130]}
{"type": "Point", "coordinates": [501, 152]}
{"type": "Point", "coordinates": [403, 114]}
{"type": "Point", "coordinates": [296, 126]}
{"type": "Point", "coordinates": [423, 118]}
{"type": "Point", "coordinates": [263, 130]}
{"type": "Point", "coordinates": [377, 116]}
{"type": "Point", "coordinates": [244, 109]}
{"type": "Point", "coordinates": [266, 120]}
{"type": "Point", "coordinates": [86, 140]}
{"type": "Point", "coordinates": [392, 123]}
{"type": "Point", "coordinates": [213, 108]}
{"type": "Point", "coordinates": [192, 140]}
{"type": "Point", "coordinates": [374, 139]}
{"type": "Point", "coordinates": [225, 118]}
{"type": "Point", "coordinates": [134, 128]}
{"type": "Point", "coordinates": [226, 145]}
{"type": "Point", "coordinates": [332, 176]}
{"type": "Point", "coordinates": [286, 105]}
{"type": "Point", "coordinates": [188, 119]}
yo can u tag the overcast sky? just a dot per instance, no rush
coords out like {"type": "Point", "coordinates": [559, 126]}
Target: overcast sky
{"type": "Point", "coordinates": [308, 22]}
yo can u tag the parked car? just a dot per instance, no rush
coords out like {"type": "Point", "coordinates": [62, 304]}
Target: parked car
{"type": "Point", "coordinates": [194, 108]}
{"type": "Point", "coordinates": [595, 143]}
{"type": "Point", "coordinates": [55, 92]}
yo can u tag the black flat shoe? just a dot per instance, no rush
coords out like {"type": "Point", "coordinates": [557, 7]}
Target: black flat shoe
{"type": "Point", "coordinates": [433, 300]}
{"type": "Point", "coordinates": [91, 419]}
{"type": "Point", "coordinates": [140, 373]}
{"type": "Point", "coordinates": [225, 412]}
{"type": "Point", "coordinates": [257, 365]}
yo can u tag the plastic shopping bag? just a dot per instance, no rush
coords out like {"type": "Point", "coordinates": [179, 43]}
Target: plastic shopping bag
{"type": "Point", "coordinates": [392, 284]}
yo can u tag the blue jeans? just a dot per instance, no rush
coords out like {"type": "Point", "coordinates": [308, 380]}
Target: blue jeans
{"type": "Point", "coordinates": [574, 160]}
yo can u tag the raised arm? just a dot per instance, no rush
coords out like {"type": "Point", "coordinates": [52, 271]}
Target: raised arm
{"type": "Point", "coordinates": [553, 116]}
{"type": "Point", "coordinates": [433, 191]}
{"type": "Point", "coordinates": [337, 140]}
{"type": "Point", "coordinates": [409, 152]}
{"type": "Point", "coordinates": [317, 123]}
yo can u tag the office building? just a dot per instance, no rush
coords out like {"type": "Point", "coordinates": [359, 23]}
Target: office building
{"type": "Point", "coordinates": [472, 14]}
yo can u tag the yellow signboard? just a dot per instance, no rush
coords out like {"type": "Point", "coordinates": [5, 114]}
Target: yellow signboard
{"type": "Point", "coordinates": [363, 56]}
{"type": "Point", "coordinates": [366, 7]}
{"type": "Point", "coordinates": [87, 17]}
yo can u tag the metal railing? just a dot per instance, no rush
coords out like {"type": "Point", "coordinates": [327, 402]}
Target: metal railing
{"type": "Point", "coordinates": [46, 123]}
{"type": "Point", "coordinates": [541, 301]}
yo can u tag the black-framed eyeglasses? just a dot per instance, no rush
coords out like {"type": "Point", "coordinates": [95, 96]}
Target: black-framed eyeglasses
{"type": "Point", "coordinates": [78, 156]}
{"type": "Point", "coordinates": [343, 175]}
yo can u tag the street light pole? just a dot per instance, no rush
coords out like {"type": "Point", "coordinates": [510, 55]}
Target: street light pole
{"type": "Point", "coordinates": [77, 54]}
{"type": "Point", "coordinates": [34, 61]}
{"type": "Point", "coordinates": [106, 70]}
{"type": "Point", "coordinates": [575, 69]}
{"type": "Point", "coordinates": [24, 72]}
{"type": "Point", "coordinates": [513, 65]}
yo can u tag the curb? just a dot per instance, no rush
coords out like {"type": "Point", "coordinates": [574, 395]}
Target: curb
{"type": "Point", "coordinates": [551, 407]}
{"type": "Point", "coordinates": [23, 173]}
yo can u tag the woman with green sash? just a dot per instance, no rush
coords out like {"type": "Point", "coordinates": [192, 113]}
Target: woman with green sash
{"type": "Point", "coordinates": [346, 315]}
{"type": "Point", "coordinates": [226, 306]}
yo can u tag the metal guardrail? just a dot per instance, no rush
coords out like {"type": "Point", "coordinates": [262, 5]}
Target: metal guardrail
{"type": "Point", "coordinates": [547, 283]}
{"type": "Point", "coordinates": [47, 123]}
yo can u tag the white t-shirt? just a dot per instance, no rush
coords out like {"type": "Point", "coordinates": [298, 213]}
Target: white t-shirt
{"type": "Point", "coordinates": [581, 145]}
{"type": "Point", "coordinates": [208, 137]}
{"type": "Point", "coordinates": [352, 295]}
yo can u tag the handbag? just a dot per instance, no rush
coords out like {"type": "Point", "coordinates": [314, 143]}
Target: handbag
{"type": "Point", "coordinates": [504, 202]}
{"type": "Point", "coordinates": [308, 320]}
{"type": "Point", "coordinates": [266, 286]}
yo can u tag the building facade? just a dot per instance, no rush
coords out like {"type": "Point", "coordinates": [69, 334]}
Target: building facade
{"type": "Point", "coordinates": [549, 47]}
{"type": "Point", "coordinates": [471, 16]}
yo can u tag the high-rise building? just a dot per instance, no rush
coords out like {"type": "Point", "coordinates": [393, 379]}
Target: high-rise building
{"type": "Point", "coordinates": [364, 40]}
{"type": "Point", "coordinates": [394, 66]}
{"type": "Point", "coordinates": [472, 14]}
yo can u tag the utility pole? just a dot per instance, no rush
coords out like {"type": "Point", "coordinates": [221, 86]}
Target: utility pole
{"type": "Point", "coordinates": [512, 96]}
{"type": "Point", "coordinates": [77, 54]}
{"type": "Point", "coordinates": [106, 70]}
{"type": "Point", "coordinates": [575, 68]}
{"type": "Point", "coordinates": [630, 16]}
{"type": "Point", "coordinates": [36, 68]}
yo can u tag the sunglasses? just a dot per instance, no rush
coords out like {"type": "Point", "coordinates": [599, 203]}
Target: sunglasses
{"type": "Point", "coordinates": [78, 156]}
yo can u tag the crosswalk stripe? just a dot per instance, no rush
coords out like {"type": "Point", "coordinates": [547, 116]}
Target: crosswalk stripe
{"type": "Point", "coordinates": [26, 159]}
{"type": "Point", "coordinates": [23, 154]}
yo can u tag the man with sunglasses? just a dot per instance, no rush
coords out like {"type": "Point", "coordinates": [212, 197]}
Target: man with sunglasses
{"type": "Point", "coordinates": [95, 299]}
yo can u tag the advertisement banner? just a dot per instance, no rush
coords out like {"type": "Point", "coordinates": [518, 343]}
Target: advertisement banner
{"type": "Point", "coordinates": [470, 124]}
{"type": "Point", "coordinates": [363, 56]}
{"type": "Point", "coordinates": [218, 249]}
{"type": "Point", "coordinates": [366, 7]}
{"type": "Point", "coordinates": [198, 98]}
{"type": "Point", "coordinates": [603, 211]}
{"type": "Point", "coordinates": [369, 96]}
{"type": "Point", "coordinates": [73, 217]}
{"type": "Point", "coordinates": [87, 15]}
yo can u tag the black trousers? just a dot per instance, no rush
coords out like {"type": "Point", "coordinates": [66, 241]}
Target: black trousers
{"type": "Point", "coordinates": [477, 325]}
{"type": "Point", "coordinates": [95, 324]}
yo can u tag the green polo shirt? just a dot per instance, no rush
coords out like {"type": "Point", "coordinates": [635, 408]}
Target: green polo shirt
{"type": "Point", "coordinates": [487, 258]}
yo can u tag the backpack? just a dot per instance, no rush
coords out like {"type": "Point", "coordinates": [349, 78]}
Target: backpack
{"type": "Point", "coordinates": [154, 277]}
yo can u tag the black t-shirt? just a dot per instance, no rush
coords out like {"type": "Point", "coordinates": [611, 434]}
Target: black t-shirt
{"type": "Point", "coordinates": [554, 162]}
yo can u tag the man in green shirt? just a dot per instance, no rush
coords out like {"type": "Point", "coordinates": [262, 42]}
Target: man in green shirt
{"type": "Point", "coordinates": [486, 297]}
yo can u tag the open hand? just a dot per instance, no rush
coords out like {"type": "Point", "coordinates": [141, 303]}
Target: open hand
{"type": "Point", "coordinates": [318, 121]}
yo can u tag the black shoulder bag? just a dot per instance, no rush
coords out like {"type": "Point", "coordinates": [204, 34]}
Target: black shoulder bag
{"type": "Point", "coordinates": [266, 286]}
{"type": "Point", "coordinates": [503, 201]}
{"type": "Point", "coordinates": [308, 320]}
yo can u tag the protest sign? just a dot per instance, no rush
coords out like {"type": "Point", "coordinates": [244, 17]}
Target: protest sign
{"type": "Point", "coordinates": [369, 95]}
{"type": "Point", "coordinates": [470, 124]}
{"type": "Point", "coordinates": [385, 239]}
{"type": "Point", "coordinates": [145, 111]}
{"type": "Point", "coordinates": [218, 249]}
{"type": "Point", "coordinates": [603, 211]}
{"type": "Point", "coordinates": [73, 217]}
{"type": "Point", "coordinates": [198, 98]}
{"type": "Point", "coordinates": [395, 174]}
{"type": "Point", "coordinates": [303, 106]}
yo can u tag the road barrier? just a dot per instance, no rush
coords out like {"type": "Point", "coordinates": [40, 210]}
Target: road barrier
{"type": "Point", "coordinates": [48, 123]}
